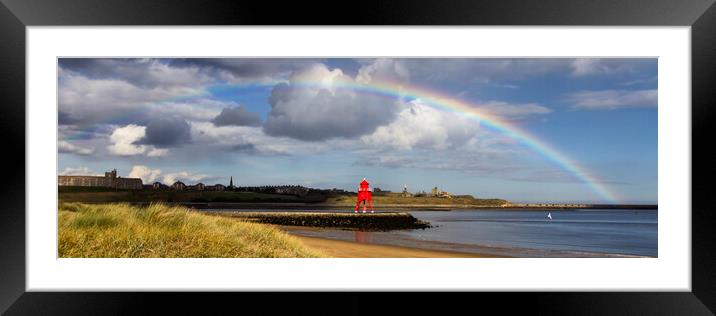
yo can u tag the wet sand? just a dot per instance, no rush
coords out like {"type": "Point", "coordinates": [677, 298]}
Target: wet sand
{"type": "Point", "coordinates": [347, 249]}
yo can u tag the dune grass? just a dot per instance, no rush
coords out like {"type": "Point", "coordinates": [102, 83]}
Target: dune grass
{"type": "Point", "coordinates": [125, 231]}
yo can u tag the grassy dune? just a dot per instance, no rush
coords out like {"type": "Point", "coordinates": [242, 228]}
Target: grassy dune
{"type": "Point", "coordinates": [124, 231]}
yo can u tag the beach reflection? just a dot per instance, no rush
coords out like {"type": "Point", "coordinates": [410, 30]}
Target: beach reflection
{"type": "Point", "coordinates": [364, 237]}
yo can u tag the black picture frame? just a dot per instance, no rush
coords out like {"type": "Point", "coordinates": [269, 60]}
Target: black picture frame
{"type": "Point", "coordinates": [15, 15]}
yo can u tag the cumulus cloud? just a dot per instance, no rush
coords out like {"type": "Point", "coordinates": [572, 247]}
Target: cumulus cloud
{"type": "Point", "coordinates": [613, 99]}
{"type": "Point", "coordinates": [323, 110]}
{"type": "Point", "coordinates": [133, 91]}
{"type": "Point", "coordinates": [149, 175]}
{"type": "Point", "coordinates": [421, 126]}
{"type": "Point", "coordinates": [145, 173]}
{"type": "Point", "coordinates": [383, 70]}
{"type": "Point", "coordinates": [123, 139]}
{"type": "Point", "coordinates": [85, 101]}
{"type": "Point", "coordinates": [125, 142]}
{"type": "Point", "coordinates": [186, 177]}
{"type": "Point", "coordinates": [67, 147]}
{"type": "Point", "coordinates": [238, 116]}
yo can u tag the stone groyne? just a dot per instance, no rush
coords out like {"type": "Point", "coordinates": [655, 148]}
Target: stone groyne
{"type": "Point", "coordinates": [362, 221]}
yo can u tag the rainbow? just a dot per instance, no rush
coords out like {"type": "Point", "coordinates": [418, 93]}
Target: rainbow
{"type": "Point", "coordinates": [440, 101]}
{"type": "Point", "coordinates": [446, 103]}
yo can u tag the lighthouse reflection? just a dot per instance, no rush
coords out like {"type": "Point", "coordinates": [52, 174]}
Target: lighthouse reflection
{"type": "Point", "coordinates": [363, 237]}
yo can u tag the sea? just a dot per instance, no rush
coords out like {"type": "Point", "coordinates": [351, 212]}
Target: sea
{"type": "Point", "coordinates": [521, 233]}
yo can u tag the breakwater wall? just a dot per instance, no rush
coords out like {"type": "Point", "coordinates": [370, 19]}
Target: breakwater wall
{"type": "Point", "coordinates": [361, 221]}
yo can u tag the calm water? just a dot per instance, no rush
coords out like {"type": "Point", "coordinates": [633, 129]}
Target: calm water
{"type": "Point", "coordinates": [522, 233]}
{"type": "Point", "coordinates": [631, 232]}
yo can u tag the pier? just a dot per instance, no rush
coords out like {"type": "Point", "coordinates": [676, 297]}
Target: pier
{"type": "Point", "coordinates": [363, 221]}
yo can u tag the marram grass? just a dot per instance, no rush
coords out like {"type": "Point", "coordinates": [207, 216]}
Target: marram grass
{"type": "Point", "coordinates": [159, 231]}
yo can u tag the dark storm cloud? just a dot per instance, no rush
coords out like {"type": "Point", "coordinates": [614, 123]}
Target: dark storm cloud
{"type": "Point", "coordinates": [65, 118]}
{"type": "Point", "coordinates": [180, 72]}
{"type": "Point", "coordinates": [151, 73]}
{"type": "Point", "coordinates": [167, 132]}
{"type": "Point", "coordinates": [237, 116]}
{"type": "Point", "coordinates": [137, 71]}
{"type": "Point", "coordinates": [84, 132]}
{"type": "Point", "coordinates": [249, 68]}
{"type": "Point", "coordinates": [322, 115]}
{"type": "Point", "coordinates": [76, 64]}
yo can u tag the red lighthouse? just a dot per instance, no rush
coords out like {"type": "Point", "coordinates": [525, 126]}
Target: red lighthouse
{"type": "Point", "coordinates": [364, 196]}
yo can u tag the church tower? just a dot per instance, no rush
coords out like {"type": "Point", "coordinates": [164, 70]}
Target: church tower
{"type": "Point", "coordinates": [231, 182]}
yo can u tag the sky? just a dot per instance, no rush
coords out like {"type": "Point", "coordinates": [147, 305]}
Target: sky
{"type": "Point", "coordinates": [557, 130]}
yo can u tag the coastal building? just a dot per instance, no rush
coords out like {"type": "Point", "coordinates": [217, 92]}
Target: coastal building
{"type": "Point", "coordinates": [217, 187]}
{"type": "Point", "coordinates": [196, 187]}
{"type": "Point", "coordinates": [231, 184]}
{"type": "Point", "coordinates": [179, 186]}
{"type": "Point", "coordinates": [405, 192]}
{"type": "Point", "coordinates": [436, 192]}
{"type": "Point", "coordinates": [110, 180]}
{"type": "Point", "coordinates": [159, 186]}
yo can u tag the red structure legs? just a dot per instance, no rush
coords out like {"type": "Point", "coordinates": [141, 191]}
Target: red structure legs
{"type": "Point", "coordinates": [364, 196]}
{"type": "Point", "coordinates": [364, 201]}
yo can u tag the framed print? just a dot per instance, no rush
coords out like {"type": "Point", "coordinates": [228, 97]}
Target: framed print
{"type": "Point", "coordinates": [434, 148]}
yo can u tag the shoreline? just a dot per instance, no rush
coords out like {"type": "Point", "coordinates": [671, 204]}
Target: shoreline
{"type": "Point", "coordinates": [302, 206]}
{"type": "Point", "coordinates": [413, 248]}
{"type": "Point", "coordinates": [404, 207]}
{"type": "Point", "coordinates": [349, 249]}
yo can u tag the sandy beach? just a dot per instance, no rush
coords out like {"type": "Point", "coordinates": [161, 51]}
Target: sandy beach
{"type": "Point", "coordinates": [347, 249]}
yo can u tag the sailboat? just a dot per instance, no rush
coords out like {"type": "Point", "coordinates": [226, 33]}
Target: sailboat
{"type": "Point", "coordinates": [549, 215]}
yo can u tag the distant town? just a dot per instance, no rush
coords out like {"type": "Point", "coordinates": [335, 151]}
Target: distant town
{"type": "Point", "coordinates": [111, 180]}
